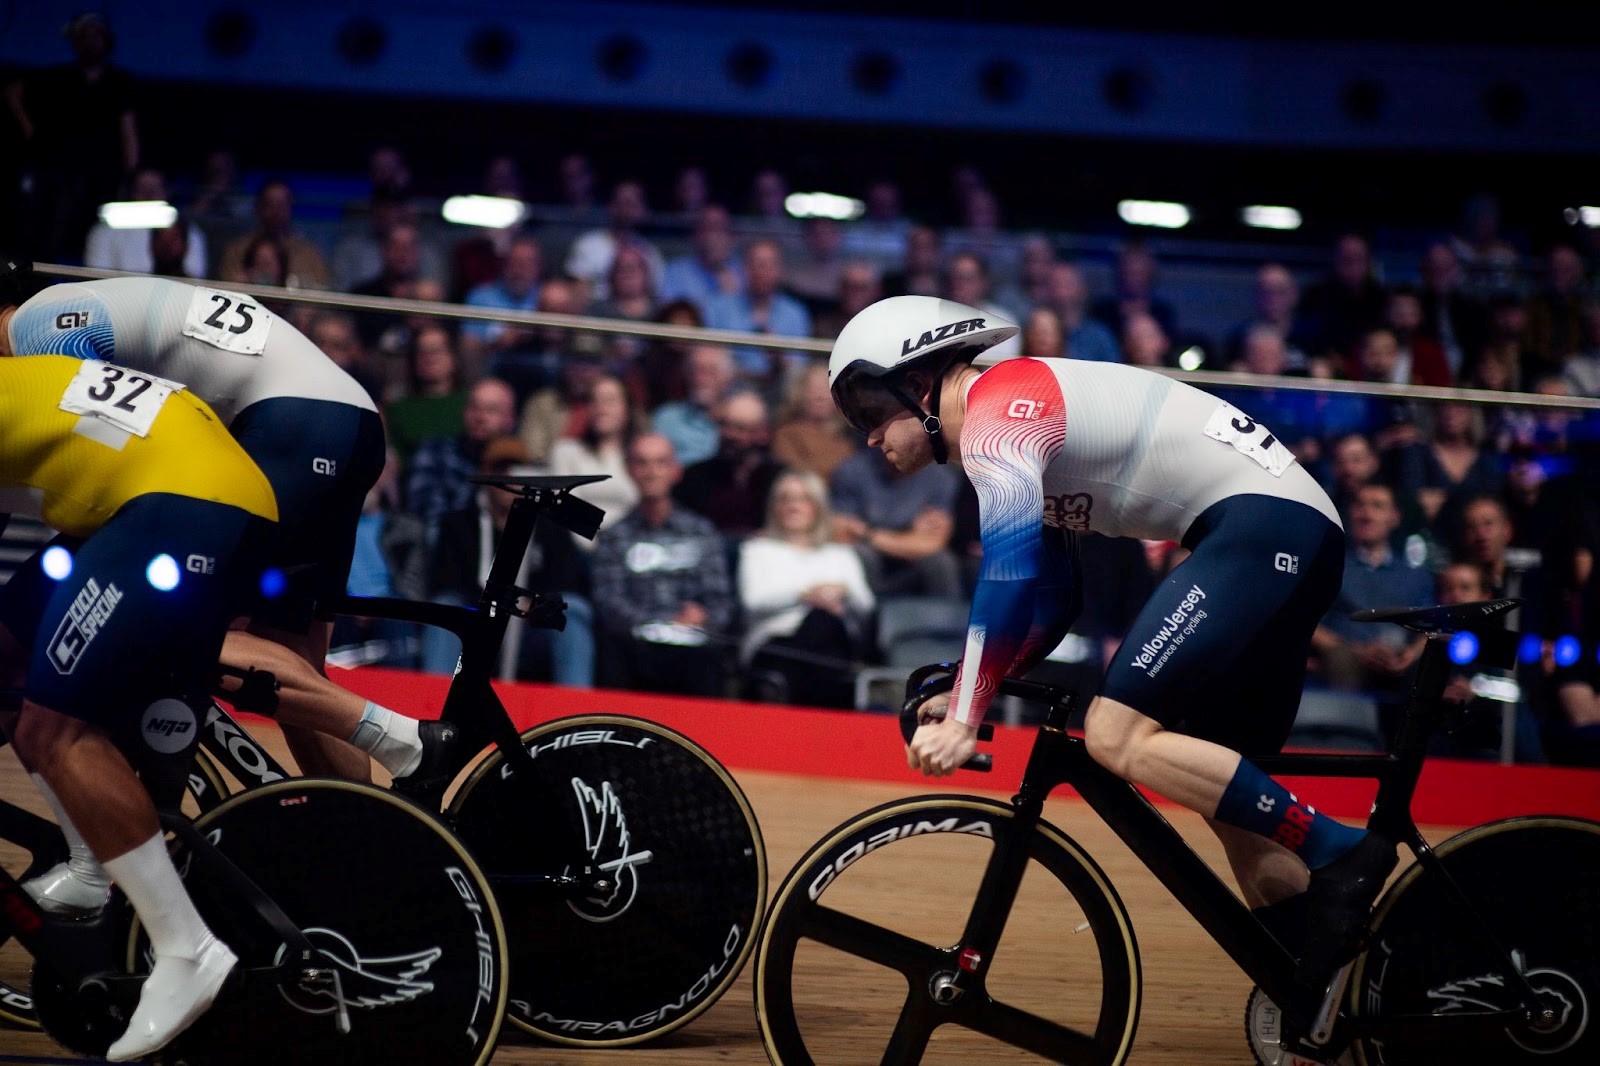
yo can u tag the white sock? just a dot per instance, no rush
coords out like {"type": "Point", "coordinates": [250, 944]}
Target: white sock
{"type": "Point", "coordinates": [390, 738]}
{"type": "Point", "coordinates": [85, 868]}
{"type": "Point", "coordinates": [151, 883]}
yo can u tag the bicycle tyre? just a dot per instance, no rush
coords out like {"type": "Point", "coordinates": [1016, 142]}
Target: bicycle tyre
{"type": "Point", "coordinates": [1537, 881]}
{"type": "Point", "coordinates": [681, 925]}
{"type": "Point", "coordinates": [16, 1002]}
{"type": "Point", "coordinates": [858, 849]}
{"type": "Point", "coordinates": [393, 902]}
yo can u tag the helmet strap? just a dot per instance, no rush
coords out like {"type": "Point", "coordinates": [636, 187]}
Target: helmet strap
{"type": "Point", "coordinates": [931, 425]}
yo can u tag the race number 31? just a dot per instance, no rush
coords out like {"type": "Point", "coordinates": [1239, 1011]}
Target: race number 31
{"type": "Point", "coordinates": [227, 320]}
{"type": "Point", "coordinates": [1249, 437]}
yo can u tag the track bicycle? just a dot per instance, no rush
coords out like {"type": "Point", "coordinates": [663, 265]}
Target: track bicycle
{"type": "Point", "coordinates": [1486, 949]}
{"type": "Point", "coordinates": [365, 931]}
{"type": "Point", "coordinates": [628, 864]}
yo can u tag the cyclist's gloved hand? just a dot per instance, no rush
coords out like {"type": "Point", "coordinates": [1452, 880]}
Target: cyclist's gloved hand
{"type": "Point", "coordinates": [941, 745]}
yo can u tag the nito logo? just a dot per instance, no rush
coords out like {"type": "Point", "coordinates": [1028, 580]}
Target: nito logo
{"type": "Point", "coordinates": [168, 726]}
{"type": "Point", "coordinates": [326, 467]}
{"type": "Point", "coordinates": [1289, 564]}
{"type": "Point", "coordinates": [1029, 409]}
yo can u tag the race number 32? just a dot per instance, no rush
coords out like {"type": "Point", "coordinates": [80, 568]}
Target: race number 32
{"type": "Point", "coordinates": [1249, 437]}
{"type": "Point", "coordinates": [227, 320]}
{"type": "Point", "coordinates": [125, 398]}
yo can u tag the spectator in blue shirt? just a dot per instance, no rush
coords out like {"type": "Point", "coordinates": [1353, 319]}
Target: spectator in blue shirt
{"type": "Point", "coordinates": [763, 307]}
{"type": "Point", "coordinates": [1068, 296]}
{"type": "Point", "coordinates": [516, 289]}
{"type": "Point", "coordinates": [711, 269]}
{"type": "Point", "coordinates": [689, 423]}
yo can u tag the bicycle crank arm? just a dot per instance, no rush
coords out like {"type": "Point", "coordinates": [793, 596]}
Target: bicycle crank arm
{"type": "Point", "coordinates": [1465, 1032]}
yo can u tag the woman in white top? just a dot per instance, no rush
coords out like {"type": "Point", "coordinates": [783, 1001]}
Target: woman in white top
{"type": "Point", "coordinates": [803, 596]}
{"type": "Point", "coordinates": [610, 423]}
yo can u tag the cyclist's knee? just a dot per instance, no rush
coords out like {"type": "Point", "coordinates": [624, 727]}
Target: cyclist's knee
{"type": "Point", "coordinates": [41, 736]}
{"type": "Point", "coordinates": [1114, 734]}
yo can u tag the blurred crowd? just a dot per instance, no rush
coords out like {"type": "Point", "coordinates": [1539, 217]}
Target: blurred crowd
{"type": "Point", "coordinates": [751, 546]}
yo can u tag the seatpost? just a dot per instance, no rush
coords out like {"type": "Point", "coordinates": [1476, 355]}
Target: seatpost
{"type": "Point", "coordinates": [513, 548]}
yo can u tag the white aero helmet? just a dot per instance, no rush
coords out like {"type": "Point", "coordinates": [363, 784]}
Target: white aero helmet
{"type": "Point", "coordinates": [886, 341]}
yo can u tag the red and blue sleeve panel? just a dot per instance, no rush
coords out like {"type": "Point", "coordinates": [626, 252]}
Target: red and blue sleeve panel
{"type": "Point", "coordinates": [1028, 590]}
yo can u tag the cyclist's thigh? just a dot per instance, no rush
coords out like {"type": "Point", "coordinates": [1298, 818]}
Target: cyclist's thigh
{"type": "Point", "coordinates": [1233, 622]}
{"type": "Point", "coordinates": [24, 595]}
{"type": "Point", "coordinates": [116, 633]}
{"type": "Point", "coordinates": [321, 458]}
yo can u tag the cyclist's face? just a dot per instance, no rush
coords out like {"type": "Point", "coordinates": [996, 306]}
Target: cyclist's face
{"type": "Point", "coordinates": [904, 443]}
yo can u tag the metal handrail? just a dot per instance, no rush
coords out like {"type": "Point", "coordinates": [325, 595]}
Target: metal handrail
{"type": "Point", "coordinates": [662, 331]}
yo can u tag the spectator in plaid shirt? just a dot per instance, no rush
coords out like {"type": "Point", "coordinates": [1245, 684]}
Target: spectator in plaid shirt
{"type": "Point", "coordinates": [662, 594]}
{"type": "Point", "coordinates": [436, 481]}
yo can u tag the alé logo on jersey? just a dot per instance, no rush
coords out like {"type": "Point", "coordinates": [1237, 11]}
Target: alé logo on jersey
{"type": "Point", "coordinates": [72, 320]}
{"type": "Point", "coordinates": [944, 332]}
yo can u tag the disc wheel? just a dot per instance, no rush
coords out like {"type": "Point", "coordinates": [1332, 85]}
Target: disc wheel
{"type": "Point", "coordinates": [678, 921]}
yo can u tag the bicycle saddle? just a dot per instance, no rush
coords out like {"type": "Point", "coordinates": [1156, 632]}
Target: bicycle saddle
{"type": "Point", "coordinates": [1471, 617]}
{"type": "Point", "coordinates": [536, 482]}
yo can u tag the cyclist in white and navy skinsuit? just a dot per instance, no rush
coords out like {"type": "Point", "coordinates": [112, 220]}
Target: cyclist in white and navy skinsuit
{"type": "Point", "coordinates": [1212, 666]}
{"type": "Point", "coordinates": [312, 430]}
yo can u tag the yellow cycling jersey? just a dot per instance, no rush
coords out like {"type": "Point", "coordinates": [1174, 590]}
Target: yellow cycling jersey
{"type": "Point", "coordinates": [90, 436]}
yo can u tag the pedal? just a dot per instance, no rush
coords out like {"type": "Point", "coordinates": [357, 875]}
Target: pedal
{"type": "Point", "coordinates": [1271, 1044]}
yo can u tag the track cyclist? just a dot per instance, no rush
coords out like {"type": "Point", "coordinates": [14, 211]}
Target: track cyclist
{"type": "Point", "coordinates": [1211, 669]}
{"type": "Point", "coordinates": [148, 482]}
{"type": "Point", "coordinates": [316, 435]}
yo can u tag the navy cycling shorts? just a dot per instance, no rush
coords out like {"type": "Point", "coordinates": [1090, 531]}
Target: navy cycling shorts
{"type": "Point", "coordinates": [1219, 650]}
{"type": "Point", "coordinates": [321, 458]}
{"type": "Point", "coordinates": [106, 639]}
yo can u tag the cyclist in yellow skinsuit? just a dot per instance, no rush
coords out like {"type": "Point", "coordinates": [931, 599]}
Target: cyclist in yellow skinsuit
{"type": "Point", "coordinates": [169, 509]}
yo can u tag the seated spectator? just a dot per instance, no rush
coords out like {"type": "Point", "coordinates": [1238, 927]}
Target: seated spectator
{"type": "Point", "coordinates": [560, 409]}
{"type": "Point", "coordinates": [879, 235]}
{"type": "Point", "coordinates": [335, 333]}
{"type": "Point", "coordinates": [550, 370]}
{"type": "Point", "coordinates": [1489, 261]}
{"type": "Point", "coordinates": [515, 289]}
{"type": "Point", "coordinates": [656, 375]}
{"type": "Point", "coordinates": [691, 191]}
{"type": "Point", "coordinates": [812, 435]}
{"type": "Point", "coordinates": [966, 280]}
{"type": "Point", "coordinates": [462, 555]}
{"type": "Point", "coordinates": [1290, 414]}
{"type": "Point", "coordinates": [1506, 347]}
{"type": "Point", "coordinates": [804, 599]}
{"type": "Point", "coordinates": [1450, 464]}
{"type": "Point", "coordinates": [1479, 735]}
{"type": "Point", "coordinates": [763, 307]}
{"type": "Point", "coordinates": [1572, 732]}
{"type": "Point", "coordinates": [632, 299]}
{"type": "Point", "coordinates": [1041, 335]}
{"type": "Point", "coordinates": [601, 447]}
{"type": "Point", "coordinates": [663, 601]}
{"type": "Point", "coordinates": [711, 268]}
{"type": "Point", "coordinates": [435, 396]}
{"type": "Point", "coordinates": [731, 488]}
{"type": "Point", "coordinates": [1336, 311]}
{"type": "Point", "coordinates": [1032, 284]}
{"type": "Point", "coordinates": [1068, 296]}
{"type": "Point", "coordinates": [859, 287]}
{"type": "Point", "coordinates": [1421, 360]}
{"type": "Point", "coordinates": [275, 218]}
{"type": "Point", "coordinates": [1277, 296]}
{"type": "Point", "coordinates": [1389, 420]}
{"type": "Point", "coordinates": [589, 259]}
{"type": "Point", "coordinates": [1135, 293]}
{"type": "Point", "coordinates": [1144, 342]}
{"type": "Point", "coordinates": [479, 257]}
{"type": "Point", "coordinates": [436, 479]}
{"type": "Point", "coordinates": [1352, 464]}
{"type": "Point", "coordinates": [1375, 658]}
{"type": "Point", "coordinates": [359, 257]}
{"type": "Point", "coordinates": [900, 524]}
{"type": "Point", "coordinates": [398, 274]}
{"type": "Point", "coordinates": [1582, 369]}
{"type": "Point", "coordinates": [1456, 321]}
{"type": "Point", "coordinates": [689, 423]}
{"type": "Point", "coordinates": [769, 211]}
{"type": "Point", "coordinates": [814, 276]}
{"type": "Point", "coordinates": [921, 273]}
{"type": "Point", "coordinates": [129, 249]}
{"type": "Point", "coordinates": [1555, 312]}
{"type": "Point", "coordinates": [575, 179]}
{"type": "Point", "coordinates": [265, 262]}
{"type": "Point", "coordinates": [169, 250]}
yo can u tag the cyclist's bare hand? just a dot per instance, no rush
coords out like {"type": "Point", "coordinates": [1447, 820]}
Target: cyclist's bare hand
{"type": "Point", "coordinates": [941, 744]}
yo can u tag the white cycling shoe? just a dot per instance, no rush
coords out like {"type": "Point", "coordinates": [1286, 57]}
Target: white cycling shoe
{"type": "Point", "coordinates": [176, 993]}
{"type": "Point", "coordinates": [60, 891]}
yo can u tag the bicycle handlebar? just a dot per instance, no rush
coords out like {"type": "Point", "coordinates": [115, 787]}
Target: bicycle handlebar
{"type": "Point", "coordinates": [924, 683]}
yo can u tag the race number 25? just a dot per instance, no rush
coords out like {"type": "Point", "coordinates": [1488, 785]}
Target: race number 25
{"type": "Point", "coordinates": [227, 320]}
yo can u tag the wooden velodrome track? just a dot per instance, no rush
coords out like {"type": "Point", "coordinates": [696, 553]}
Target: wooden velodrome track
{"type": "Point", "coordinates": [1193, 995]}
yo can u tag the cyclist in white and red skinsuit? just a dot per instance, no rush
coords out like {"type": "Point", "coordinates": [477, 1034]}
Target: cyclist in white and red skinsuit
{"type": "Point", "coordinates": [1213, 665]}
